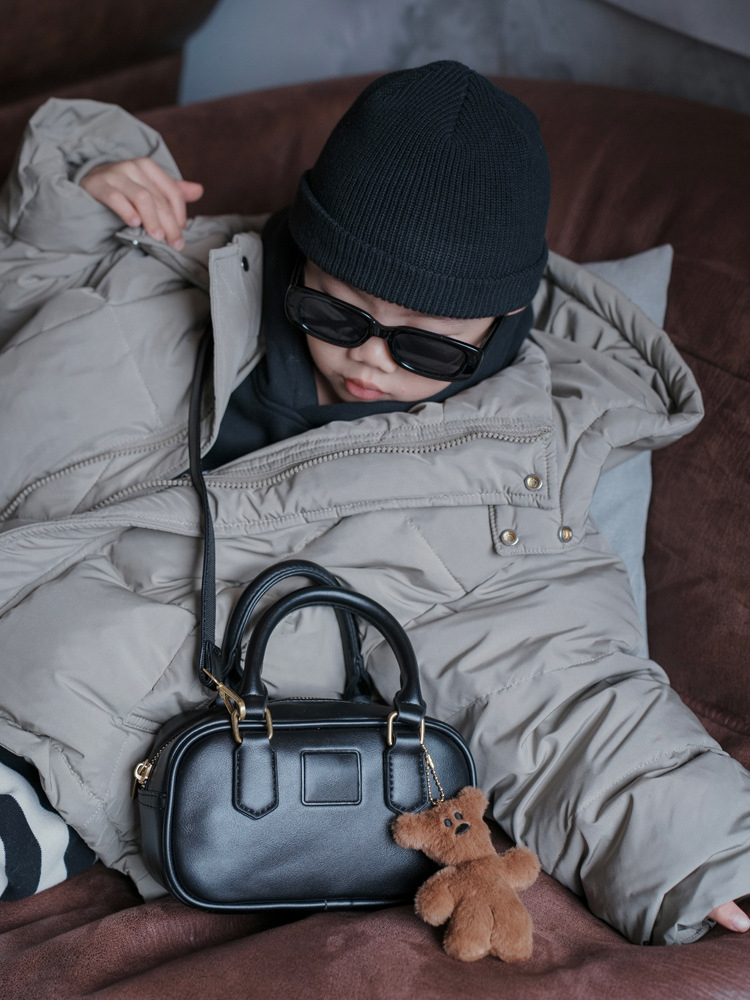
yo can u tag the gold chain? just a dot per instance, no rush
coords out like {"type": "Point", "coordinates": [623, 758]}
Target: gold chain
{"type": "Point", "coordinates": [429, 766]}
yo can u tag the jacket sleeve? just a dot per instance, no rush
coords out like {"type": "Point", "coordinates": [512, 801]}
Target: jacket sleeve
{"type": "Point", "coordinates": [588, 755]}
{"type": "Point", "coordinates": [53, 235]}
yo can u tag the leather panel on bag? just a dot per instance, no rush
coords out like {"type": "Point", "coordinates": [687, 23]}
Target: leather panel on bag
{"type": "Point", "coordinates": [331, 777]}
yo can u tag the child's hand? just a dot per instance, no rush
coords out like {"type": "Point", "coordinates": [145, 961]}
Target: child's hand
{"type": "Point", "coordinates": [729, 915]}
{"type": "Point", "coordinates": [143, 194]}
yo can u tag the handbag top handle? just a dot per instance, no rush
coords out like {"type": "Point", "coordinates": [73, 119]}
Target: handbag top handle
{"type": "Point", "coordinates": [359, 686]}
{"type": "Point", "coordinates": [408, 701]}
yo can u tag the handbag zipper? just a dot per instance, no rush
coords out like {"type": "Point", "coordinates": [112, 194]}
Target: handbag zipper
{"type": "Point", "coordinates": [263, 482]}
{"type": "Point", "coordinates": [142, 771]}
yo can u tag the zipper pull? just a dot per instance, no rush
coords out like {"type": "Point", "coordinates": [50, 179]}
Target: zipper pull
{"type": "Point", "coordinates": [140, 776]}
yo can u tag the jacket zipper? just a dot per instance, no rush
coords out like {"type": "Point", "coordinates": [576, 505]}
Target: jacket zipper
{"type": "Point", "coordinates": [188, 268]}
{"type": "Point", "coordinates": [292, 470]}
{"type": "Point", "coordinates": [135, 450]}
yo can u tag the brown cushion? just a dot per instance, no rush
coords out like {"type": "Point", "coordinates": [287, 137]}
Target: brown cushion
{"type": "Point", "coordinates": [124, 53]}
{"type": "Point", "coordinates": [629, 170]}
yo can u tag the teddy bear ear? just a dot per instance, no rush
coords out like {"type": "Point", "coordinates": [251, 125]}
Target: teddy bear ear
{"type": "Point", "coordinates": [473, 798]}
{"type": "Point", "coordinates": [409, 830]}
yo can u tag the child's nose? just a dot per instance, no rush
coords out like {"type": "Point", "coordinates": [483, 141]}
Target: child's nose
{"type": "Point", "coordinates": [374, 352]}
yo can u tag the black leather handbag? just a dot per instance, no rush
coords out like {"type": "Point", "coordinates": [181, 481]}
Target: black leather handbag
{"type": "Point", "coordinates": [256, 803]}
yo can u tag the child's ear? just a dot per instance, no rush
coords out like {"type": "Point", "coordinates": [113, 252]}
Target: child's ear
{"type": "Point", "coordinates": [473, 799]}
{"type": "Point", "coordinates": [409, 830]}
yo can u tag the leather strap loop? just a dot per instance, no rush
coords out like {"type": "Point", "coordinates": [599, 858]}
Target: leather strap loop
{"type": "Point", "coordinates": [405, 778]}
{"type": "Point", "coordinates": [256, 785]}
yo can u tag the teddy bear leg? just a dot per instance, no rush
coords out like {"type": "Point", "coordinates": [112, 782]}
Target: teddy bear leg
{"type": "Point", "coordinates": [511, 936]}
{"type": "Point", "coordinates": [468, 935]}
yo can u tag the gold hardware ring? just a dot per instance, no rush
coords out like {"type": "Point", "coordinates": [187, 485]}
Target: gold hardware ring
{"type": "Point", "coordinates": [392, 718]}
{"type": "Point", "coordinates": [236, 708]}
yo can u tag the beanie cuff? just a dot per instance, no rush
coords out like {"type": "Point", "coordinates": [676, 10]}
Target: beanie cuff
{"type": "Point", "coordinates": [377, 272]}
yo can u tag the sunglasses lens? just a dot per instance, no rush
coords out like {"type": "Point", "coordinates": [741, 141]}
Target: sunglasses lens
{"type": "Point", "coordinates": [330, 321]}
{"type": "Point", "coordinates": [433, 358]}
{"type": "Point", "coordinates": [420, 352]}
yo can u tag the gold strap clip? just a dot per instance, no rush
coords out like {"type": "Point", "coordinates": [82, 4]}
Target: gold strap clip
{"type": "Point", "coordinates": [234, 705]}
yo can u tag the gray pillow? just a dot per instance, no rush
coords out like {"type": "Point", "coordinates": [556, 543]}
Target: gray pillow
{"type": "Point", "coordinates": [620, 505]}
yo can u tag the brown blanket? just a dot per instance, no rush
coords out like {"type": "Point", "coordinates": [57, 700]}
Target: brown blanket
{"type": "Point", "coordinates": [90, 937]}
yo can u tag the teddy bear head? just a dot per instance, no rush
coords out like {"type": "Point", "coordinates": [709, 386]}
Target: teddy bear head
{"type": "Point", "coordinates": [450, 832]}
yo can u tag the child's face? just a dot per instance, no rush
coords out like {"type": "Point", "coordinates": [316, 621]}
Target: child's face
{"type": "Point", "coordinates": [368, 373]}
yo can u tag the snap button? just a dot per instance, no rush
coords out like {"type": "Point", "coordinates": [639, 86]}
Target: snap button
{"type": "Point", "coordinates": [245, 264]}
{"type": "Point", "coordinates": [509, 537]}
{"type": "Point", "coordinates": [565, 534]}
{"type": "Point", "coordinates": [532, 482]}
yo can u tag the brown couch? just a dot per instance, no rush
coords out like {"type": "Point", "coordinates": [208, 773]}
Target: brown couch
{"type": "Point", "coordinates": [630, 171]}
{"type": "Point", "coordinates": [126, 53]}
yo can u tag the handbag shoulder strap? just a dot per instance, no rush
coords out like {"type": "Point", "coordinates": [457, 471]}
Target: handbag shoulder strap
{"type": "Point", "coordinates": [209, 660]}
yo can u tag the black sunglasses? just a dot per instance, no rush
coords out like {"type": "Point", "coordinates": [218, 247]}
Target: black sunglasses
{"type": "Point", "coordinates": [419, 351]}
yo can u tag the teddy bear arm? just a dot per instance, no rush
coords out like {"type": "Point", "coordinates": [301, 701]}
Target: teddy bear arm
{"type": "Point", "coordinates": [434, 901]}
{"type": "Point", "coordinates": [519, 867]}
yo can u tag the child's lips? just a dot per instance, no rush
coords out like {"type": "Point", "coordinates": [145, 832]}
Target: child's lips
{"type": "Point", "coordinates": [365, 391]}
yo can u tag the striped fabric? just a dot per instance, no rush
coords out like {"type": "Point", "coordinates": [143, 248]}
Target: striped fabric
{"type": "Point", "coordinates": [37, 848]}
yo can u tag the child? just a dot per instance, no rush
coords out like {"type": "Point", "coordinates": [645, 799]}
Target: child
{"type": "Point", "coordinates": [389, 416]}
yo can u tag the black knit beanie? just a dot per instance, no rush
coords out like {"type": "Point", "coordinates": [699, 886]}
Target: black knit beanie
{"type": "Point", "coordinates": [431, 192]}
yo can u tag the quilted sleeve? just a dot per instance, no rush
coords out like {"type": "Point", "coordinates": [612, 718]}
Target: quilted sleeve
{"type": "Point", "coordinates": [586, 752]}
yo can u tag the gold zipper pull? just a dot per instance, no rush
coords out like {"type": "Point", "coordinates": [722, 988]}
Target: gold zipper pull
{"type": "Point", "coordinates": [140, 776]}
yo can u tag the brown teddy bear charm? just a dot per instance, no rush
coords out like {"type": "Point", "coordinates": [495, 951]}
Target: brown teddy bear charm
{"type": "Point", "coordinates": [477, 891]}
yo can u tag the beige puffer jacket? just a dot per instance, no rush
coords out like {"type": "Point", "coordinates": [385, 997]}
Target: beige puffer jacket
{"type": "Point", "coordinates": [451, 515]}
